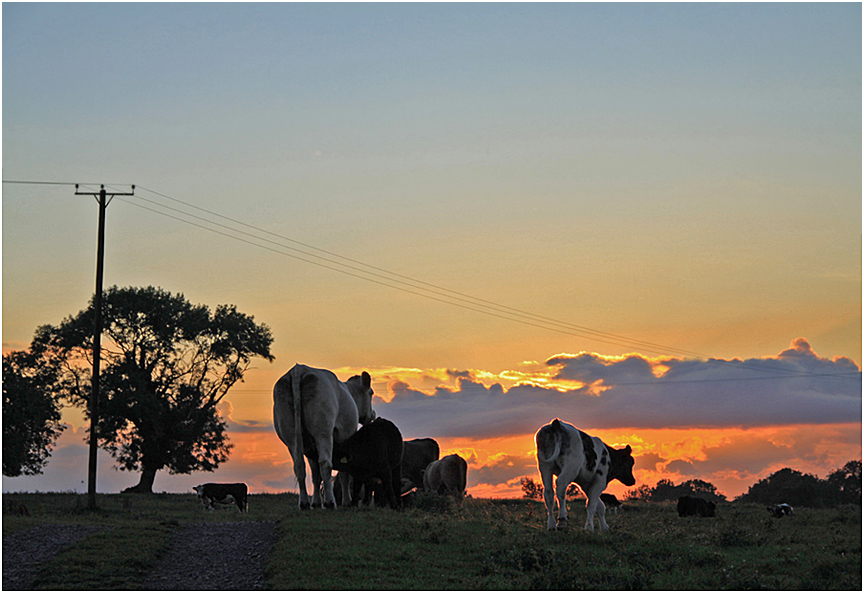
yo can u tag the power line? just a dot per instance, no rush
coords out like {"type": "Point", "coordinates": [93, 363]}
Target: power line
{"type": "Point", "coordinates": [370, 273]}
{"type": "Point", "coordinates": [365, 268]}
{"type": "Point", "coordinates": [427, 290]}
{"type": "Point", "coordinates": [358, 269]}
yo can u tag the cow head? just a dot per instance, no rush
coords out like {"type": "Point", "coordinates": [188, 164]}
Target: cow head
{"type": "Point", "coordinates": [622, 465]}
{"type": "Point", "coordinates": [360, 387]}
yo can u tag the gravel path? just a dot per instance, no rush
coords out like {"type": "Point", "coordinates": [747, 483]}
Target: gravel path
{"type": "Point", "coordinates": [203, 556]}
{"type": "Point", "coordinates": [24, 551]}
{"type": "Point", "coordinates": [210, 556]}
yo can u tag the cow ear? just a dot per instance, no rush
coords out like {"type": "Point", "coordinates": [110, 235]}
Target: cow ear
{"type": "Point", "coordinates": [367, 380]}
{"type": "Point", "coordinates": [628, 450]}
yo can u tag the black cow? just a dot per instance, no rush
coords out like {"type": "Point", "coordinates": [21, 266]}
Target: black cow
{"type": "Point", "coordinates": [611, 501]}
{"type": "Point", "coordinates": [417, 454]}
{"type": "Point", "coordinates": [693, 506]}
{"type": "Point", "coordinates": [780, 510]}
{"type": "Point", "coordinates": [211, 493]}
{"type": "Point", "coordinates": [374, 451]}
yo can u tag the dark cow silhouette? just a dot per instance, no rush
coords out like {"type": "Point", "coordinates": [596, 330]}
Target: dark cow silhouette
{"type": "Point", "coordinates": [416, 456]}
{"type": "Point", "coordinates": [780, 510]}
{"type": "Point", "coordinates": [693, 506]}
{"type": "Point", "coordinates": [448, 475]}
{"type": "Point", "coordinates": [373, 452]}
{"type": "Point", "coordinates": [211, 493]}
{"type": "Point", "coordinates": [611, 501]}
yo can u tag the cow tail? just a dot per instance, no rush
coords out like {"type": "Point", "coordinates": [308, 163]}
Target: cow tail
{"type": "Point", "coordinates": [549, 442]}
{"type": "Point", "coordinates": [298, 410]}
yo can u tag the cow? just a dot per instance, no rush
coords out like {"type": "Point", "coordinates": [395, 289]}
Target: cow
{"type": "Point", "coordinates": [780, 510]}
{"type": "Point", "coordinates": [312, 410]}
{"type": "Point", "coordinates": [574, 456]}
{"type": "Point", "coordinates": [693, 506]}
{"type": "Point", "coordinates": [447, 475]}
{"type": "Point", "coordinates": [416, 456]}
{"type": "Point", "coordinates": [611, 501]}
{"type": "Point", "coordinates": [373, 453]}
{"type": "Point", "coordinates": [209, 494]}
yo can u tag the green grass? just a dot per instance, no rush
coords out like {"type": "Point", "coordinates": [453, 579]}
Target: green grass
{"type": "Point", "coordinates": [479, 544]}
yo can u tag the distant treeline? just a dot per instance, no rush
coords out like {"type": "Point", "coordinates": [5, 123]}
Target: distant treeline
{"type": "Point", "coordinates": [842, 486]}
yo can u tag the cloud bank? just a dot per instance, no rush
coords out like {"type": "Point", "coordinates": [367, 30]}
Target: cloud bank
{"type": "Point", "coordinates": [596, 391]}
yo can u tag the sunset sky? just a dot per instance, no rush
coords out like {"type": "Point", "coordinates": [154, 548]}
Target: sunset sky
{"type": "Point", "coordinates": [644, 219]}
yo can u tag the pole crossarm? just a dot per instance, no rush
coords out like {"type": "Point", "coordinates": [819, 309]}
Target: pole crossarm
{"type": "Point", "coordinates": [101, 190]}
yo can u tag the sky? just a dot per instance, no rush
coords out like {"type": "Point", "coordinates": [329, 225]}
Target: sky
{"type": "Point", "coordinates": [644, 219]}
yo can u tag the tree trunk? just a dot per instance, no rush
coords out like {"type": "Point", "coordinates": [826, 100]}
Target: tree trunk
{"type": "Point", "coordinates": [145, 485]}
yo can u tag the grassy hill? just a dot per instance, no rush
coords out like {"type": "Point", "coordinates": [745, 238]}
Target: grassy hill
{"type": "Point", "coordinates": [479, 544]}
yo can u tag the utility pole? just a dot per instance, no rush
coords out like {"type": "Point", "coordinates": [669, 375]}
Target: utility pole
{"type": "Point", "coordinates": [103, 199]}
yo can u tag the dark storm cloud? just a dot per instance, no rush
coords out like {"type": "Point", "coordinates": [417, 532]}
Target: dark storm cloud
{"type": "Point", "coordinates": [795, 387]}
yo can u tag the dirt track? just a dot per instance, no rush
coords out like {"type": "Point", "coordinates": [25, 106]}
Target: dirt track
{"type": "Point", "coordinates": [203, 556]}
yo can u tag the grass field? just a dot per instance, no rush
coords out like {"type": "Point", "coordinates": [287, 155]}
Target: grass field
{"type": "Point", "coordinates": [479, 544]}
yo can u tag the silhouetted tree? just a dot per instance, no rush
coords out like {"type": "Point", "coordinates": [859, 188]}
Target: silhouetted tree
{"type": "Point", "coordinates": [642, 493]}
{"type": "Point", "coordinates": [666, 490]}
{"type": "Point", "coordinates": [31, 413]}
{"type": "Point", "coordinates": [845, 483]}
{"type": "Point", "coordinates": [531, 489]}
{"type": "Point", "coordinates": [788, 485]}
{"type": "Point", "coordinates": [166, 366]}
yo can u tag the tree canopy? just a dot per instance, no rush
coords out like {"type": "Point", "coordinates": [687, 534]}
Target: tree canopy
{"type": "Point", "coordinates": [166, 365]}
{"type": "Point", "coordinates": [31, 413]}
{"type": "Point", "coordinates": [843, 486]}
{"type": "Point", "coordinates": [667, 490]}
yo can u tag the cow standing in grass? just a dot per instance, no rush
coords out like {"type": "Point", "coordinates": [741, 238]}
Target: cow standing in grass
{"type": "Point", "coordinates": [448, 475]}
{"type": "Point", "coordinates": [565, 451]}
{"type": "Point", "coordinates": [373, 455]}
{"type": "Point", "coordinates": [312, 409]}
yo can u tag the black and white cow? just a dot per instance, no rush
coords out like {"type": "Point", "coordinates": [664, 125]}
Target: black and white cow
{"type": "Point", "coordinates": [565, 451]}
{"type": "Point", "coordinates": [371, 454]}
{"type": "Point", "coordinates": [780, 510]}
{"type": "Point", "coordinates": [209, 494]}
{"type": "Point", "coordinates": [693, 506]}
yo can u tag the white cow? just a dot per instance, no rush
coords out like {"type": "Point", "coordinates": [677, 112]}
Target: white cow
{"type": "Point", "coordinates": [312, 408]}
{"type": "Point", "coordinates": [567, 452]}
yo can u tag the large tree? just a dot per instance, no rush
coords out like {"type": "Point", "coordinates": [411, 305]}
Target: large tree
{"type": "Point", "coordinates": [31, 413]}
{"type": "Point", "coordinates": [166, 365]}
{"type": "Point", "coordinates": [845, 483]}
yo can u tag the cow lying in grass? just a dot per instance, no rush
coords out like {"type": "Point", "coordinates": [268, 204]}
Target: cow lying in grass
{"type": "Point", "coordinates": [210, 494]}
{"type": "Point", "coordinates": [780, 510]}
{"type": "Point", "coordinates": [693, 506]}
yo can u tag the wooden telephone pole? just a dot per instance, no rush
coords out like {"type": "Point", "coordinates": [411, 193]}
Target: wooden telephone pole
{"type": "Point", "coordinates": [104, 200]}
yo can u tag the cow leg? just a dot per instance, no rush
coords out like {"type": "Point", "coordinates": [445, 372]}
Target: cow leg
{"type": "Point", "coordinates": [300, 475]}
{"type": "Point", "coordinates": [345, 482]}
{"type": "Point", "coordinates": [356, 485]}
{"type": "Point", "coordinates": [567, 475]}
{"type": "Point", "coordinates": [595, 506]}
{"type": "Point", "coordinates": [325, 473]}
{"type": "Point", "coordinates": [388, 487]}
{"type": "Point", "coordinates": [548, 496]}
{"type": "Point", "coordinates": [316, 482]}
{"type": "Point", "coordinates": [396, 486]}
